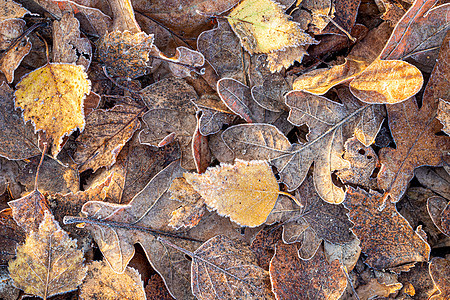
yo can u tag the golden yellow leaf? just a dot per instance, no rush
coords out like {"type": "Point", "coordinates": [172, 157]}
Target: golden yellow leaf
{"type": "Point", "coordinates": [52, 97]}
{"type": "Point", "coordinates": [49, 262]}
{"type": "Point", "coordinates": [262, 27]}
{"type": "Point", "coordinates": [245, 191]}
{"type": "Point", "coordinates": [387, 82]}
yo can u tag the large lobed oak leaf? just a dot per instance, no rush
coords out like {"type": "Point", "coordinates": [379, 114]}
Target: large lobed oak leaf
{"type": "Point", "coordinates": [52, 98]}
{"type": "Point", "coordinates": [386, 237]}
{"type": "Point", "coordinates": [295, 278]}
{"type": "Point", "coordinates": [330, 123]}
{"type": "Point", "coordinates": [49, 262]}
{"type": "Point", "coordinates": [245, 191]}
{"type": "Point", "coordinates": [414, 131]}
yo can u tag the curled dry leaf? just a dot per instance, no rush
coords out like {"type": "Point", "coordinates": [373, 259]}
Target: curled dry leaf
{"type": "Point", "coordinates": [262, 27]}
{"type": "Point", "coordinates": [184, 61]}
{"type": "Point", "coordinates": [106, 133]}
{"type": "Point", "coordinates": [439, 210]}
{"type": "Point", "coordinates": [227, 269]}
{"type": "Point", "coordinates": [414, 132]}
{"type": "Point", "coordinates": [125, 53]}
{"type": "Point", "coordinates": [13, 57]}
{"type": "Point", "coordinates": [49, 262]}
{"type": "Point", "coordinates": [246, 191]}
{"type": "Point", "coordinates": [295, 278]}
{"type": "Point", "coordinates": [52, 98]}
{"type": "Point", "coordinates": [17, 139]}
{"type": "Point", "coordinates": [386, 237]}
{"type": "Point", "coordinates": [102, 282]}
{"type": "Point", "coordinates": [68, 47]}
{"type": "Point", "coordinates": [440, 273]}
{"type": "Point", "coordinates": [443, 115]}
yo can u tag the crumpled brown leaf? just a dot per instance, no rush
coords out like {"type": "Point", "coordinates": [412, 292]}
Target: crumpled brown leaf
{"type": "Point", "coordinates": [13, 57]}
{"type": "Point", "coordinates": [102, 282]}
{"type": "Point", "coordinates": [264, 244]}
{"type": "Point", "coordinates": [386, 237]}
{"type": "Point", "coordinates": [295, 278]}
{"type": "Point", "coordinates": [49, 262]}
{"type": "Point", "coordinates": [440, 273]}
{"type": "Point", "coordinates": [29, 211]}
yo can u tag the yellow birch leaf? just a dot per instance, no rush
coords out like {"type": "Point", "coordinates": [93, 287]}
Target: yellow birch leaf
{"type": "Point", "coordinates": [245, 191]}
{"type": "Point", "coordinates": [263, 27]}
{"type": "Point", "coordinates": [52, 98]}
{"type": "Point", "coordinates": [49, 262]}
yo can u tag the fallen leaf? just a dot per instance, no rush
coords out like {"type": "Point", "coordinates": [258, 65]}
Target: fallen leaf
{"type": "Point", "coordinates": [18, 140]}
{"type": "Point", "coordinates": [440, 273]}
{"type": "Point", "coordinates": [125, 53]}
{"type": "Point", "coordinates": [7, 289]}
{"type": "Point", "coordinates": [11, 10]}
{"type": "Point", "coordinates": [214, 114]}
{"type": "Point", "coordinates": [419, 278]}
{"type": "Point", "coordinates": [68, 47]}
{"type": "Point", "coordinates": [63, 83]}
{"type": "Point", "coordinates": [387, 82]}
{"type": "Point", "coordinates": [102, 282]}
{"type": "Point", "coordinates": [419, 33]}
{"type": "Point", "coordinates": [443, 115]}
{"type": "Point", "coordinates": [184, 62]}
{"type": "Point", "coordinates": [262, 27]}
{"type": "Point", "coordinates": [222, 50]}
{"type": "Point", "coordinates": [10, 235]}
{"type": "Point", "coordinates": [439, 210]}
{"type": "Point", "coordinates": [435, 179]}
{"type": "Point", "coordinates": [29, 211]}
{"type": "Point", "coordinates": [393, 11]}
{"type": "Point", "coordinates": [374, 288]}
{"type": "Point", "coordinates": [295, 278]}
{"type": "Point", "coordinates": [363, 161]}
{"type": "Point", "coordinates": [200, 150]}
{"type": "Point", "coordinates": [246, 191]}
{"type": "Point", "coordinates": [106, 133]}
{"type": "Point", "coordinates": [345, 14]}
{"type": "Point", "coordinates": [321, 12]}
{"type": "Point", "coordinates": [190, 214]}
{"type": "Point", "coordinates": [285, 58]}
{"type": "Point", "coordinates": [49, 262]}
{"type": "Point", "coordinates": [13, 57]}
{"type": "Point", "coordinates": [330, 125]}
{"type": "Point", "coordinates": [264, 245]}
{"type": "Point", "coordinates": [156, 290]}
{"type": "Point", "coordinates": [54, 176]}
{"type": "Point", "coordinates": [414, 132]}
{"type": "Point", "coordinates": [227, 269]}
{"type": "Point", "coordinates": [348, 254]}
{"type": "Point", "coordinates": [386, 237]}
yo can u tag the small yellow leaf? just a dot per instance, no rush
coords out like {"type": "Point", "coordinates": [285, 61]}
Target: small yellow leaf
{"type": "Point", "coordinates": [262, 27]}
{"type": "Point", "coordinates": [245, 191]}
{"type": "Point", "coordinates": [387, 82]}
{"type": "Point", "coordinates": [49, 262]}
{"type": "Point", "coordinates": [52, 97]}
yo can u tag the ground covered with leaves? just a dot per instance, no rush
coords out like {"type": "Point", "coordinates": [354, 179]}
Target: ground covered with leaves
{"type": "Point", "coordinates": [226, 149]}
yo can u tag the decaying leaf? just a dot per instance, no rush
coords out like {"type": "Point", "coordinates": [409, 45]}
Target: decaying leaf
{"type": "Point", "coordinates": [29, 211]}
{"type": "Point", "coordinates": [295, 278]}
{"type": "Point", "coordinates": [435, 179]}
{"type": "Point", "coordinates": [363, 160]}
{"type": "Point", "coordinates": [184, 61]}
{"type": "Point", "coordinates": [440, 273]}
{"type": "Point", "coordinates": [374, 289]}
{"type": "Point", "coordinates": [227, 269]}
{"type": "Point", "coordinates": [11, 10]}
{"type": "Point", "coordinates": [420, 280]}
{"type": "Point", "coordinates": [17, 139]}
{"type": "Point", "coordinates": [156, 290]}
{"type": "Point", "coordinates": [386, 237]}
{"type": "Point", "coordinates": [106, 133]}
{"type": "Point", "coordinates": [52, 98]}
{"type": "Point", "coordinates": [102, 282]}
{"type": "Point", "coordinates": [49, 262]}
{"type": "Point", "coordinates": [262, 27]}
{"type": "Point", "coordinates": [414, 132]}
{"type": "Point", "coordinates": [125, 53]}
{"type": "Point", "coordinates": [443, 115]}
{"type": "Point", "coordinates": [347, 254]}
{"type": "Point", "coordinates": [439, 210]}
{"type": "Point", "coordinates": [330, 125]}
{"type": "Point", "coordinates": [245, 191]}
{"type": "Point", "coordinates": [13, 57]}
{"type": "Point", "coordinates": [264, 244]}
{"type": "Point", "coordinates": [68, 47]}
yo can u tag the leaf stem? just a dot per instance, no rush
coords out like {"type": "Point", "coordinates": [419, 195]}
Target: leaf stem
{"type": "Point", "coordinates": [291, 197]}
